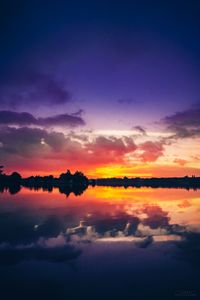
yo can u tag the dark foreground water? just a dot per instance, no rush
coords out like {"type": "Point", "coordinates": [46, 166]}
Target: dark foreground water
{"type": "Point", "coordinates": [108, 243]}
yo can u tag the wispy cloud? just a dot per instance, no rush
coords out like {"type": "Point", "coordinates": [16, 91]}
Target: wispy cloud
{"type": "Point", "coordinates": [23, 118]}
{"type": "Point", "coordinates": [140, 129]}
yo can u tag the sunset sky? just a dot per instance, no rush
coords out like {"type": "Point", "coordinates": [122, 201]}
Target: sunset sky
{"type": "Point", "coordinates": [110, 88]}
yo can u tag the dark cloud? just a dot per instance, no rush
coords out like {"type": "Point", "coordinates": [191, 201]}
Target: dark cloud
{"type": "Point", "coordinates": [20, 228]}
{"type": "Point", "coordinates": [23, 118]}
{"type": "Point", "coordinates": [62, 120]}
{"type": "Point", "coordinates": [47, 145]}
{"type": "Point", "coordinates": [184, 124]}
{"type": "Point", "coordinates": [29, 142]}
{"type": "Point", "coordinates": [78, 113]}
{"type": "Point", "coordinates": [14, 118]}
{"type": "Point", "coordinates": [112, 224]}
{"type": "Point", "coordinates": [31, 88]}
{"type": "Point", "coordinates": [34, 142]}
{"type": "Point", "coordinates": [140, 129]}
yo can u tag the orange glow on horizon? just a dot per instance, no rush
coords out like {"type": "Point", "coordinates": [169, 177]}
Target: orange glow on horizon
{"type": "Point", "coordinates": [110, 171]}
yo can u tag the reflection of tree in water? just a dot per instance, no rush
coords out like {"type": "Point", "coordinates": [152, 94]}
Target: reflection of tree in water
{"type": "Point", "coordinates": [12, 183]}
{"type": "Point", "coordinates": [77, 190]}
{"type": "Point", "coordinates": [14, 189]}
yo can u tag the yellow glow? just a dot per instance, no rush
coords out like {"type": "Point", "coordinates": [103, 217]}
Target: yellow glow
{"type": "Point", "coordinates": [120, 171]}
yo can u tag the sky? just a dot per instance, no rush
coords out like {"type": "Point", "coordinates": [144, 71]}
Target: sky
{"type": "Point", "coordinates": [110, 88]}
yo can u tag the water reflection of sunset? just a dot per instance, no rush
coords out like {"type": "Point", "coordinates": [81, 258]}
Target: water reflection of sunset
{"type": "Point", "coordinates": [108, 231]}
{"type": "Point", "coordinates": [179, 205]}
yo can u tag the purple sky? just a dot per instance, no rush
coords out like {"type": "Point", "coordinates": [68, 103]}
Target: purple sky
{"type": "Point", "coordinates": [103, 66]}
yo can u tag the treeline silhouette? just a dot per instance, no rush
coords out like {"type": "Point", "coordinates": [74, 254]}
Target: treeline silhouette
{"type": "Point", "coordinates": [66, 183]}
{"type": "Point", "coordinates": [171, 182]}
{"type": "Point", "coordinates": [77, 183]}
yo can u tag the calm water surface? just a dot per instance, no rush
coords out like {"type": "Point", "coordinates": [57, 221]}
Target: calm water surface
{"type": "Point", "coordinates": [108, 243]}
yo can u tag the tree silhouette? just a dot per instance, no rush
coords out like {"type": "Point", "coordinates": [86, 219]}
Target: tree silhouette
{"type": "Point", "coordinates": [1, 169]}
{"type": "Point", "coordinates": [66, 176]}
{"type": "Point", "coordinates": [16, 177]}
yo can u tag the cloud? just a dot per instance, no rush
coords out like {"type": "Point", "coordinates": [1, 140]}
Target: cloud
{"type": "Point", "coordinates": [23, 118]}
{"type": "Point", "coordinates": [20, 228]}
{"type": "Point", "coordinates": [52, 242]}
{"type": "Point", "coordinates": [151, 150]}
{"type": "Point", "coordinates": [102, 227]}
{"type": "Point", "coordinates": [140, 129]}
{"type": "Point", "coordinates": [27, 142]}
{"type": "Point", "coordinates": [104, 224]}
{"type": "Point", "coordinates": [78, 113]}
{"type": "Point", "coordinates": [55, 149]}
{"type": "Point", "coordinates": [30, 142]}
{"type": "Point", "coordinates": [112, 145]}
{"type": "Point", "coordinates": [180, 161]}
{"type": "Point", "coordinates": [110, 149]}
{"type": "Point", "coordinates": [157, 218]}
{"type": "Point", "coordinates": [148, 231]}
{"type": "Point", "coordinates": [62, 120]}
{"type": "Point", "coordinates": [14, 118]}
{"type": "Point", "coordinates": [79, 137]}
{"type": "Point", "coordinates": [32, 87]}
{"type": "Point", "coordinates": [184, 124]}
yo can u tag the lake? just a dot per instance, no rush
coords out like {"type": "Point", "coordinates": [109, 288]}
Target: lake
{"type": "Point", "coordinates": [108, 243]}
